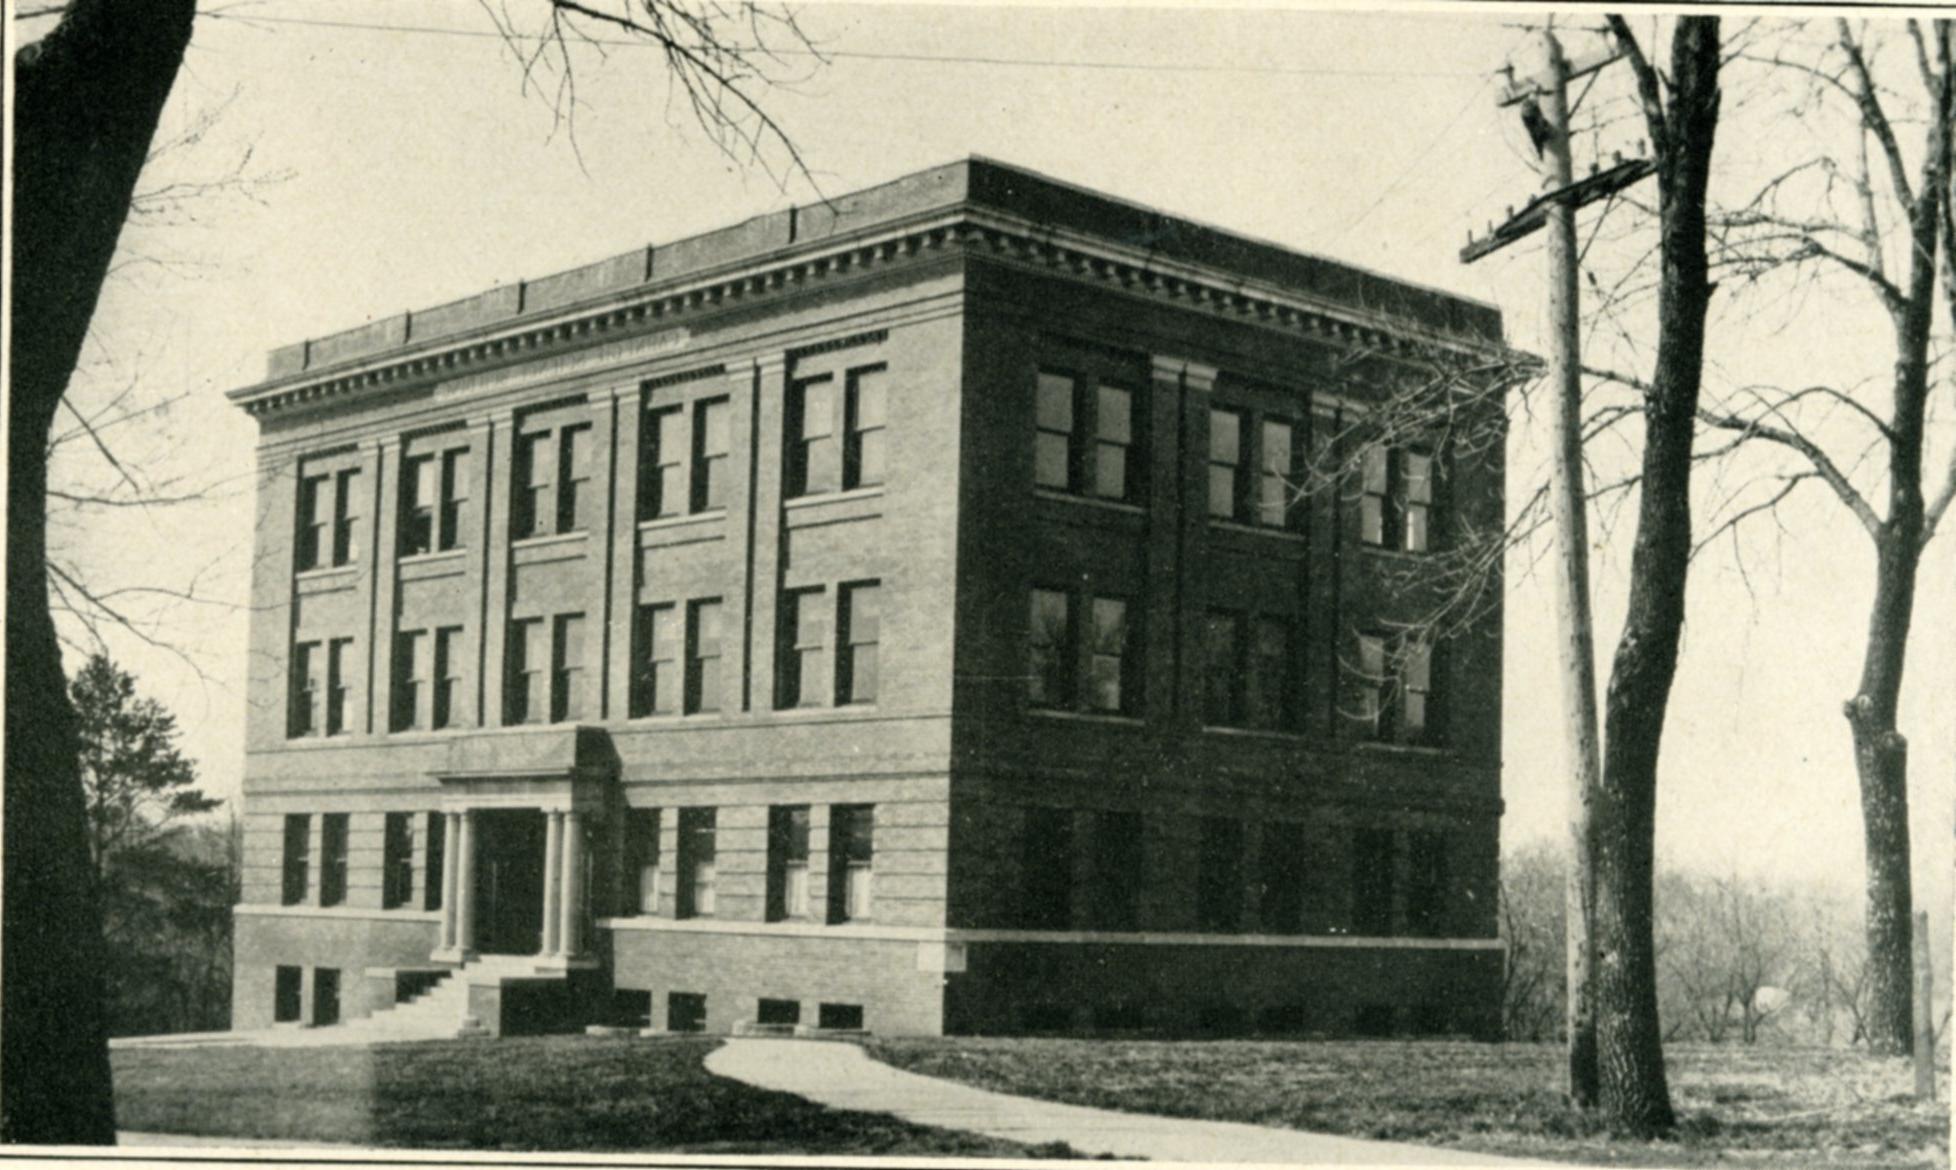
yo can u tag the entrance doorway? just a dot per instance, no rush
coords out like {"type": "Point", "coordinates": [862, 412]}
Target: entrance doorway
{"type": "Point", "coordinates": [509, 881]}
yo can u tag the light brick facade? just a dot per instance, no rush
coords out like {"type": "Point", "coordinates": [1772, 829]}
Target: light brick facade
{"type": "Point", "coordinates": [752, 521]}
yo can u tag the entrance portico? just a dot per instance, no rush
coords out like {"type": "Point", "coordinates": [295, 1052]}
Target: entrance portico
{"type": "Point", "coordinates": [498, 895]}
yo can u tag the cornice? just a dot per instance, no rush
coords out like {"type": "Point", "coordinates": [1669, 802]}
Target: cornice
{"type": "Point", "coordinates": [646, 321]}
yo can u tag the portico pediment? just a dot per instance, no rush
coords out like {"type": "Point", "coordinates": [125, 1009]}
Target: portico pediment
{"type": "Point", "coordinates": [559, 766]}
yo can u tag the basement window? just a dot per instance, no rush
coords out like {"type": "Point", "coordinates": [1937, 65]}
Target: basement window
{"type": "Point", "coordinates": [778, 1012]}
{"type": "Point", "coordinates": [685, 1011]}
{"type": "Point", "coordinates": [840, 1017]}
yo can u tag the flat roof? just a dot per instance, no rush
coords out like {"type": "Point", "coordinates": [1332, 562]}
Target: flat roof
{"type": "Point", "coordinates": [969, 183]}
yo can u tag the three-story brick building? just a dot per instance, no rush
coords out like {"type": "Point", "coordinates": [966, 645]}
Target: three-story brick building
{"type": "Point", "coordinates": [896, 613]}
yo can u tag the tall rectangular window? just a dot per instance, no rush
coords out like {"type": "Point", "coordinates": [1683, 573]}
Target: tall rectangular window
{"type": "Point", "coordinates": [339, 685]}
{"type": "Point", "coordinates": [454, 498]}
{"type": "Point", "coordinates": [1394, 687]}
{"type": "Point", "coordinates": [1396, 499]}
{"type": "Point", "coordinates": [1046, 869]}
{"type": "Point", "coordinates": [312, 544]}
{"type": "Point", "coordinates": [803, 657]}
{"type": "Point", "coordinates": [346, 543]}
{"type": "Point", "coordinates": [526, 697]}
{"type": "Point", "coordinates": [856, 666]}
{"type": "Point", "coordinates": [1414, 724]}
{"type": "Point", "coordinates": [1275, 477]}
{"type": "Point", "coordinates": [1112, 658]}
{"type": "Point", "coordinates": [447, 710]}
{"type": "Point", "coordinates": [1219, 875]}
{"type": "Point", "coordinates": [1269, 697]}
{"type": "Point", "coordinates": [1118, 870]}
{"type": "Point", "coordinates": [787, 862]}
{"type": "Point", "coordinates": [1372, 882]}
{"type": "Point", "coordinates": [396, 860]}
{"type": "Point", "coordinates": [1225, 463]}
{"type": "Point", "coordinates": [1113, 444]}
{"type": "Point", "coordinates": [288, 995]}
{"type": "Point", "coordinates": [1426, 883]}
{"type": "Point", "coordinates": [1052, 452]}
{"type": "Point", "coordinates": [435, 864]}
{"type": "Point", "coordinates": [1280, 878]}
{"type": "Point", "coordinates": [574, 479]}
{"type": "Point", "coordinates": [864, 454]}
{"type": "Point", "coordinates": [1370, 683]}
{"type": "Point", "coordinates": [535, 513]}
{"type": "Point", "coordinates": [1416, 501]}
{"type": "Point", "coordinates": [411, 669]}
{"type": "Point", "coordinates": [697, 874]}
{"type": "Point", "coordinates": [332, 859]}
{"type": "Point", "coordinates": [710, 447]}
{"type": "Point", "coordinates": [662, 474]}
{"type": "Point", "coordinates": [642, 861]}
{"type": "Point", "coordinates": [1375, 481]}
{"type": "Point", "coordinates": [811, 436]}
{"type": "Point", "coordinates": [420, 504]}
{"type": "Point", "coordinates": [655, 678]}
{"type": "Point", "coordinates": [296, 859]}
{"type": "Point", "coordinates": [703, 656]}
{"type": "Point", "coordinates": [1051, 649]}
{"type": "Point", "coordinates": [851, 858]}
{"type": "Point", "coordinates": [306, 689]}
{"type": "Point", "coordinates": [1222, 668]}
{"type": "Point", "coordinates": [567, 668]}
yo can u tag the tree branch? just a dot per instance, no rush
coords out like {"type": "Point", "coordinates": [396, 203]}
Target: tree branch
{"type": "Point", "coordinates": [1874, 117]}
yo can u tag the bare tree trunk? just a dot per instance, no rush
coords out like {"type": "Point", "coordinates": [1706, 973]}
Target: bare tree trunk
{"type": "Point", "coordinates": [87, 99]}
{"type": "Point", "coordinates": [1635, 1091]}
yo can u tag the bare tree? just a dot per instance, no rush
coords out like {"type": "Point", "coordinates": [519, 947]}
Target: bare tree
{"type": "Point", "coordinates": [88, 96]}
{"type": "Point", "coordinates": [1727, 955]}
{"type": "Point", "coordinates": [1532, 912]}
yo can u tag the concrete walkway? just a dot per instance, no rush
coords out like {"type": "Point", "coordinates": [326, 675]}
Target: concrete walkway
{"type": "Point", "coordinates": [840, 1076]}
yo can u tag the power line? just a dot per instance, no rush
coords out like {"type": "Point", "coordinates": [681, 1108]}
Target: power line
{"type": "Point", "coordinates": [1418, 158]}
{"type": "Point", "coordinates": [864, 55]}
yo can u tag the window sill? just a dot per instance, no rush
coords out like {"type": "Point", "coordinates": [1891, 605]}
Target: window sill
{"type": "Point", "coordinates": [549, 539]}
{"type": "Point", "coordinates": [1382, 747]}
{"type": "Point", "coordinates": [659, 522]}
{"type": "Point", "coordinates": [1086, 716]}
{"type": "Point", "coordinates": [1254, 733]}
{"type": "Point", "coordinates": [1289, 534]}
{"type": "Point", "coordinates": [816, 499]}
{"type": "Point", "coordinates": [658, 718]}
{"type": "Point", "coordinates": [434, 557]}
{"type": "Point", "coordinates": [325, 572]}
{"type": "Point", "coordinates": [1090, 501]}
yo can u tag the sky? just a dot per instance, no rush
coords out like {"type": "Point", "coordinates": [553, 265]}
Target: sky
{"type": "Point", "coordinates": [394, 169]}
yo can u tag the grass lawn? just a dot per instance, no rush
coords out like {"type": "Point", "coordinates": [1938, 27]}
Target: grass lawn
{"type": "Point", "coordinates": [541, 1093]}
{"type": "Point", "coordinates": [1747, 1106]}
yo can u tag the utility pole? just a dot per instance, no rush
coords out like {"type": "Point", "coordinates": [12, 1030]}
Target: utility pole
{"type": "Point", "coordinates": [1545, 111]}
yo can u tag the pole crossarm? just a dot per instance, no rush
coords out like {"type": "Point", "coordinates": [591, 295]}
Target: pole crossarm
{"type": "Point", "coordinates": [1534, 214]}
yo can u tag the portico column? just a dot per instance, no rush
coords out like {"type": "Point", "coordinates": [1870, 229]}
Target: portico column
{"type": "Point", "coordinates": [450, 864]}
{"type": "Point", "coordinates": [553, 885]}
{"type": "Point", "coordinates": [465, 884]}
{"type": "Point", "coordinates": [572, 885]}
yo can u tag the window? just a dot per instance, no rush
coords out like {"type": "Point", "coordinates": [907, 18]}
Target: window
{"type": "Point", "coordinates": [856, 673]}
{"type": "Point", "coordinates": [332, 859]}
{"type": "Point", "coordinates": [434, 500]}
{"type": "Point", "coordinates": [526, 684]}
{"type": "Point", "coordinates": [1050, 677]}
{"type": "Point", "coordinates": [851, 850]}
{"type": "Point", "coordinates": [662, 475]}
{"type": "Point", "coordinates": [787, 862]}
{"type": "Point", "coordinates": [435, 864]}
{"type": "Point", "coordinates": [448, 678]}
{"type": "Point", "coordinates": [696, 868]}
{"type": "Point", "coordinates": [339, 666]}
{"type": "Point", "coordinates": [703, 656]}
{"type": "Point", "coordinates": [1225, 463]}
{"type": "Point", "coordinates": [1046, 869]}
{"type": "Point", "coordinates": [1426, 883]}
{"type": "Point", "coordinates": [803, 657]}
{"type": "Point", "coordinates": [710, 448]}
{"type": "Point", "coordinates": [1223, 681]}
{"type": "Point", "coordinates": [1113, 444]}
{"type": "Point", "coordinates": [811, 436]}
{"type": "Point", "coordinates": [1219, 876]}
{"type": "Point", "coordinates": [1066, 420]}
{"type": "Point", "coordinates": [1280, 878]}
{"type": "Point", "coordinates": [574, 479]}
{"type": "Point", "coordinates": [325, 996]}
{"type": "Point", "coordinates": [567, 668]}
{"type": "Point", "coordinates": [863, 453]}
{"type": "Point", "coordinates": [839, 1017]}
{"type": "Point", "coordinates": [777, 1013]}
{"type": "Point", "coordinates": [305, 690]}
{"type": "Point", "coordinates": [1112, 656]}
{"type": "Point", "coordinates": [1117, 870]}
{"type": "Point", "coordinates": [655, 681]}
{"type": "Point", "coordinates": [345, 546]}
{"type": "Point", "coordinates": [1372, 882]}
{"type": "Point", "coordinates": [685, 1011]}
{"type": "Point", "coordinates": [642, 861]}
{"type": "Point", "coordinates": [411, 668]}
{"type": "Point", "coordinates": [1275, 477]}
{"type": "Point", "coordinates": [1270, 698]}
{"type": "Point", "coordinates": [1396, 499]}
{"type": "Point", "coordinates": [288, 994]}
{"type": "Point", "coordinates": [1053, 443]}
{"type": "Point", "coordinates": [296, 859]}
{"type": "Point", "coordinates": [553, 472]}
{"type": "Point", "coordinates": [315, 518]}
{"type": "Point", "coordinates": [1395, 692]}
{"type": "Point", "coordinates": [397, 860]}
